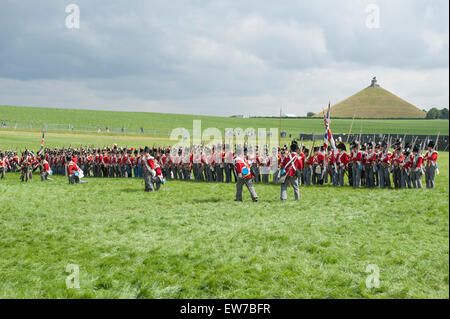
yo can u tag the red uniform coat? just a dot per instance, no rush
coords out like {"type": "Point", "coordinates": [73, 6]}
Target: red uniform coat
{"type": "Point", "coordinates": [290, 164]}
{"type": "Point", "coordinates": [240, 163]}
{"type": "Point", "coordinates": [72, 168]}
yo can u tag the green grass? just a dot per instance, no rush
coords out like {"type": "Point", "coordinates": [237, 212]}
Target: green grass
{"type": "Point", "coordinates": [192, 240]}
{"type": "Point", "coordinates": [375, 102]}
{"type": "Point", "coordinates": [164, 123]}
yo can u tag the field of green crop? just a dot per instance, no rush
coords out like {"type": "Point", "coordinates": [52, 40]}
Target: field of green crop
{"type": "Point", "coordinates": [191, 240]}
{"type": "Point", "coordinates": [162, 123]}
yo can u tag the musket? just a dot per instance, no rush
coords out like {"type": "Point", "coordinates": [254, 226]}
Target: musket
{"type": "Point", "coordinates": [360, 132]}
{"type": "Point", "coordinates": [403, 141]}
{"type": "Point", "coordinates": [437, 140]}
{"type": "Point", "coordinates": [301, 145]}
{"type": "Point", "coordinates": [416, 158]}
{"type": "Point", "coordinates": [311, 151]}
{"type": "Point", "coordinates": [351, 125]}
{"type": "Point", "coordinates": [414, 143]}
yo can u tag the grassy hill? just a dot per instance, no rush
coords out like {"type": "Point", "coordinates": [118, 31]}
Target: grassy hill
{"type": "Point", "coordinates": [162, 123]}
{"type": "Point", "coordinates": [375, 102]}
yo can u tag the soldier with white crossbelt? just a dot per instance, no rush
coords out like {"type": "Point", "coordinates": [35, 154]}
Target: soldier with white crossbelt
{"type": "Point", "coordinates": [288, 171]}
{"type": "Point", "coordinates": [148, 165]}
{"type": "Point", "coordinates": [431, 165]}
{"type": "Point", "coordinates": [417, 169]}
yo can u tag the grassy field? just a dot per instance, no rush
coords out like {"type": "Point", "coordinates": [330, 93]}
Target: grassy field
{"type": "Point", "coordinates": [164, 123]}
{"type": "Point", "coordinates": [376, 102]}
{"type": "Point", "coordinates": [201, 244]}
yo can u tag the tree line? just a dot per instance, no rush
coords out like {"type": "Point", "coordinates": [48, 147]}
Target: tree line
{"type": "Point", "coordinates": [434, 113]}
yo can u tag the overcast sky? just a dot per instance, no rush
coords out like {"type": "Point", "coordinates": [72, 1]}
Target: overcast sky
{"type": "Point", "coordinates": [221, 57]}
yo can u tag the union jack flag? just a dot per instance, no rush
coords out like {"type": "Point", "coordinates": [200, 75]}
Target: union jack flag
{"type": "Point", "coordinates": [328, 137]}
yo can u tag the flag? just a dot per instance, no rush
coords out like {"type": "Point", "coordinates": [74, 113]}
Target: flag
{"type": "Point", "coordinates": [328, 137]}
{"type": "Point", "coordinates": [42, 144]}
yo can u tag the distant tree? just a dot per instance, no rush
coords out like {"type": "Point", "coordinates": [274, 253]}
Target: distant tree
{"type": "Point", "coordinates": [310, 114]}
{"type": "Point", "coordinates": [433, 113]}
{"type": "Point", "coordinates": [443, 114]}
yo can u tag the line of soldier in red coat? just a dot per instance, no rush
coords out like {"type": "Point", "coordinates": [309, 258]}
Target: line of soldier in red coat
{"type": "Point", "coordinates": [368, 165]}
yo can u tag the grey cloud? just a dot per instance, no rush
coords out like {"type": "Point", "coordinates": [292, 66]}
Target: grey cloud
{"type": "Point", "coordinates": [192, 56]}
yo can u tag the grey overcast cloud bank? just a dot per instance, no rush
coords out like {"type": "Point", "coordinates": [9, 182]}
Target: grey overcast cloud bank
{"type": "Point", "coordinates": [220, 57]}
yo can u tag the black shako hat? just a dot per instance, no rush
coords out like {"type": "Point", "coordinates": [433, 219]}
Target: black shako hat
{"type": "Point", "coordinates": [294, 146]}
{"type": "Point", "coordinates": [341, 146]}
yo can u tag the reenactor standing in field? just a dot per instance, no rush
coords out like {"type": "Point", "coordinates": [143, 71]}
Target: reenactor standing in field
{"type": "Point", "coordinates": [218, 164]}
{"type": "Point", "coordinates": [134, 162]}
{"type": "Point", "coordinates": [198, 164]}
{"type": "Point", "coordinates": [362, 164]}
{"type": "Point", "coordinates": [417, 168]}
{"type": "Point", "coordinates": [228, 165]}
{"type": "Point", "coordinates": [244, 175]}
{"type": "Point", "coordinates": [307, 168]}
{"type": "Point", "coordinates": [25, 164]}
{"type": "Point", "coordinates": [301, 166]}
{"type": "Point", "coordinates": [187, 164]}
{"type": "Point", "coordinates": [4, 163]}
{"type": "Point", "coordinates": [276, 162]}
{"type": "Point", "coordinates": [289, 168]}
{"type": "Point", "coordinates": [406, 168]}
{"type": "Point", "coordinates": [159, 177]}
{"type": "Point", "coordinates": [254, 162]}
{"type": "Point", "coordinates": [315, 171]}
{"type": "Point", "coordinates": [128, 163]}
{"type": "Point", "coordinates": [332, 166]}
{"type": "Point", "coordinates": [116, 164]}
{"type": "Point", "coordinates": [370, 163]}
{"type": "Point", "coordinates": [377, 164]}
{"type": "Point", "coordinates": [342, 161]}
{"type": "Point", "coordinates": [89, 163]}
{"type": "Point", "coordinates": [148, 163]}
{"type": "Point", "coordinates": [431, 164]}
{"type": "Point", "coordinates": [104, 164]}
{"type": "Point", "coordinates": [350, 166]}
{"type": "Point", "coordinates": [356, 165]}
{"type": "Point", "coordinates": [14, 162]}
{"type": "Point", "coordinates": [396, 161]}
{"type": "Point", "coordinates": [96, 163]}
{"type": "Point", "coordinates": [383, 168]}
{"type": "Point", "coordinates": [139, 163]}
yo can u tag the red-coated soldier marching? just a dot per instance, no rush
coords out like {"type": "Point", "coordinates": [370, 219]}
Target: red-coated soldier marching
{"type": "Point", "coordinates": [244, 175]}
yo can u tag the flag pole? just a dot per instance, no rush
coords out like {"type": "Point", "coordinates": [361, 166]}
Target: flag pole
{"type": "Point", "coordinates": [280, 122]}
{"type": "Point", "coordinates": [351, 125]}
